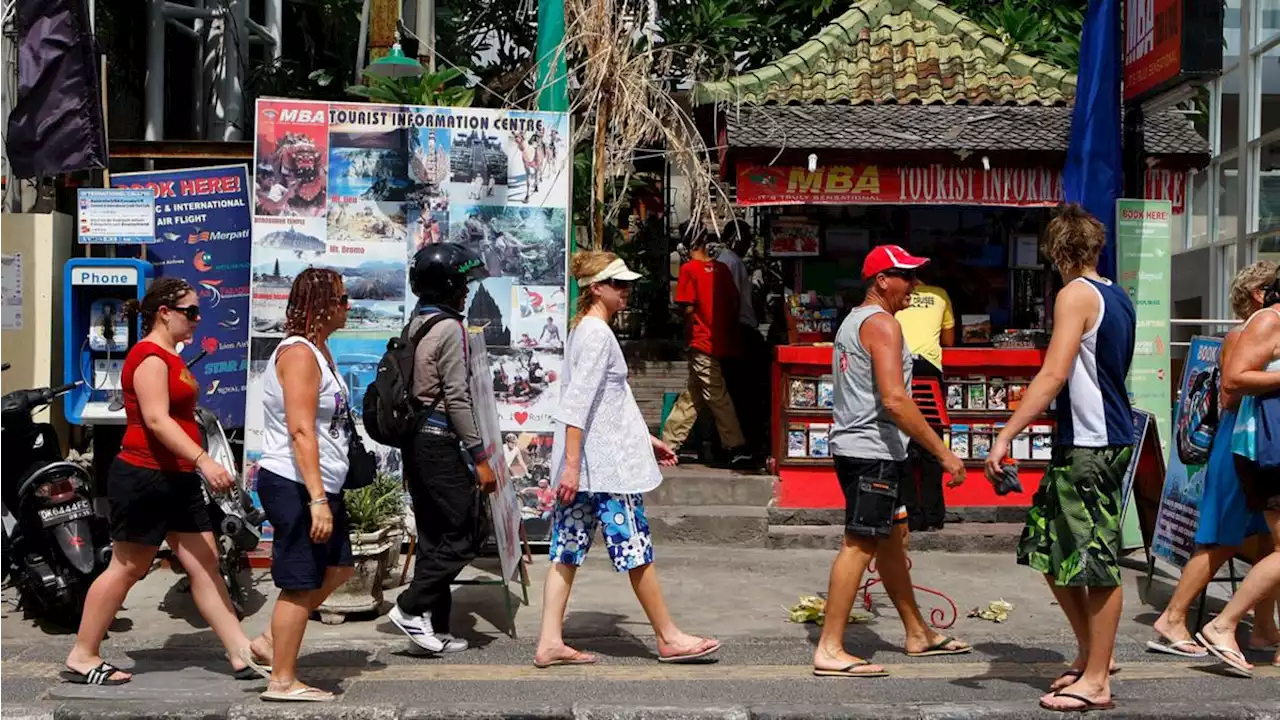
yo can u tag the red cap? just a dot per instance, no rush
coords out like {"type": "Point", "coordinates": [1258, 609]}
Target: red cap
{"type": "Point", "coordinates": [890, 257]}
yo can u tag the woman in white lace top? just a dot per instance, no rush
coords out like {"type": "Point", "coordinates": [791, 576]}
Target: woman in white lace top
{"type": "Point", "coordinates": [603, 460]}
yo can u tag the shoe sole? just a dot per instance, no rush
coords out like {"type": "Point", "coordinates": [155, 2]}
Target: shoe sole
{"type": "Point", "coordinates": [413, 638]}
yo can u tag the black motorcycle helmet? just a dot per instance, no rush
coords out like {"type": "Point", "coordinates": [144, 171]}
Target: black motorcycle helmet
{"type": "Point", "coordinates": [441, 272]}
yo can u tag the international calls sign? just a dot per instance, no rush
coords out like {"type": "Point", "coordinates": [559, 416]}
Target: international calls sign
{"type": "Point", "coordinates": [203, 234]}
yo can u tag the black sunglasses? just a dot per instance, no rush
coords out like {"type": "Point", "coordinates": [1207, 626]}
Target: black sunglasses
{"type": "Point", "coordinates": [344, 299]}
{"type": "Point", "coordinates": [614, 283]}
{"type": "Point", "coordinates": [904, 274]}
{"type": "Point", "coordinates": [192, 312]}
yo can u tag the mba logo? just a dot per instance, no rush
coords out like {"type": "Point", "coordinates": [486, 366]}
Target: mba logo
{"type": "Point", "coordinates": [294, 115]}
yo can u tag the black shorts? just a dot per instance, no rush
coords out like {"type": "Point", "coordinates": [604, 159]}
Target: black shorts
{"type": "Point", "coordinates": [296, 562]}
{"type": "Point", "coordinates": [872, 495]}
{"type": "Point", "coordinates": [146, 505]}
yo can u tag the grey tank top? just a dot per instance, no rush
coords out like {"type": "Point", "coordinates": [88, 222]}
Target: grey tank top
{"type": "Point", "coordinates": [862, 428]}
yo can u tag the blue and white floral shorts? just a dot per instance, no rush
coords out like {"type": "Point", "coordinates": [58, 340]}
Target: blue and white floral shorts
{"type": "Point", "coordinates": [621, 517]}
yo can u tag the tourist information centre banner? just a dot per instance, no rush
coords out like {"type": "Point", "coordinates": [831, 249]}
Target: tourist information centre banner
{"type": "Point", "coordinates": [854, 184]}
{"type": "Point", "coordinates": [202, 236]}
{"type": "Point", "coordinates": [359, 188]}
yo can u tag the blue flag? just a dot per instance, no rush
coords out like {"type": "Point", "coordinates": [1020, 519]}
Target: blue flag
{"type": "Point", "coordinates": [1093, 175]}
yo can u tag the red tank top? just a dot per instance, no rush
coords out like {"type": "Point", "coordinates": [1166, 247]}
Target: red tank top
{"type": "Point", "coordinates": [141, 447]}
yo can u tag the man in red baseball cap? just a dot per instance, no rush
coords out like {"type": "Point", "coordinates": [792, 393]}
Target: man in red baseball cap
{"type": "Point", "coordinates": [884, 258]}
{"type": "Point", "coordinates": [875, 418]}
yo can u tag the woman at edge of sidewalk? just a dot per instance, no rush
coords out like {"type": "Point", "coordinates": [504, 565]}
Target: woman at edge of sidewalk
{"type": "Point", "coordinates": [307, 431]}
{"type": "Point", "coordinates": [603, 460]}
{"type": "Point", "coordinates": [1254, 369]}
{"type": "Point", "coordinates": [1225, 521]}
{"type": "Point", "coordinates": [155, 494]}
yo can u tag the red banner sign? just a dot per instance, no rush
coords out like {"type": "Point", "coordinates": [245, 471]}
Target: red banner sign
{"type": "Point", "coordinates": [1153, 45]}
{"type": "Point", "coordinates": [930, 185]}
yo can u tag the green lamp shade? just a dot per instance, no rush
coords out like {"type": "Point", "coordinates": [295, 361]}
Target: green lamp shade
{"type": "Point", "coordinates": [396, 64]}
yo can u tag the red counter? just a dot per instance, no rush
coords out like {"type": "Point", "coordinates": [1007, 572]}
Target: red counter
{"type": "Point", "coordinates": [811, 482]}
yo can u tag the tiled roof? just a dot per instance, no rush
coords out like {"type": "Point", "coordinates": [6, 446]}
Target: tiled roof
{"type": "Point", "coordinates": [898, 52]}
{"type": "Point", "coordinates": [935, 127]}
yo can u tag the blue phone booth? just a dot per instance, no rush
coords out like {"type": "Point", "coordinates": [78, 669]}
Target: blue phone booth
{"type": "Point", "coordinates": [98, 334]}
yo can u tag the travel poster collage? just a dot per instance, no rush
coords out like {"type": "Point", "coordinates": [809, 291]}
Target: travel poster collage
{"type": "Point", "coordinates": [359, 188]}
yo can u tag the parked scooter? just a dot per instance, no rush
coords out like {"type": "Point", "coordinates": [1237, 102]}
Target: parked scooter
{"type": "Point", "coordinates": [51, 550]}
{"type": "Point", "coordinates": [237, 524]}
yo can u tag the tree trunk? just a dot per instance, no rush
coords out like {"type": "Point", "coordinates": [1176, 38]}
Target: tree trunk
{"type": "Point", "coordinates": [600, 167]}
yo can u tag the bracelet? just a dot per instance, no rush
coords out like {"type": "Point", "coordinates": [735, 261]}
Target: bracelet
{"type": "Point", "coordinates": [197, 458]}
{"type": "Point", "coordinates": [320, 501]}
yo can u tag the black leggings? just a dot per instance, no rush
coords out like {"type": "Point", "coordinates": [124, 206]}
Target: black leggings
{"type": "Point", "coordinates": [448, 510]}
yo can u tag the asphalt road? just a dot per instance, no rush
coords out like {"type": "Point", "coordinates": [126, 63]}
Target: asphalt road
{"type": "Point", "coordinates": [737, 595]}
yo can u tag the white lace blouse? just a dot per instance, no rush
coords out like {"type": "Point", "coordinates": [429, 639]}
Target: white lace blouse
{"type": "Point", "coordinates": [617, 454]}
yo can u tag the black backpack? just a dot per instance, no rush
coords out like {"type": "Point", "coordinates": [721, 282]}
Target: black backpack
{"type": "Point", "coordinates": [391, 412]}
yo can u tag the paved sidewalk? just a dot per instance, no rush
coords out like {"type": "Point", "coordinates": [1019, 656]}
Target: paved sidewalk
{"type": "Point", "coordinates": [738, 595]}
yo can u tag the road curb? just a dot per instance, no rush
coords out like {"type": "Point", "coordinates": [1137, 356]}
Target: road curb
{"type": "Point", "coordinates": [1020, 710]}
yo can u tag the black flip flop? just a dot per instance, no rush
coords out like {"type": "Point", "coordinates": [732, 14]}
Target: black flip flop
{"type": "Point", "coordinates": [1072, 672]}
{"type": "Point", "coordinates": [100, 675]}
{"type": "Point", "coordinates": [940, 648]}
{"type": "Point", "coordinates": [1086, 707]}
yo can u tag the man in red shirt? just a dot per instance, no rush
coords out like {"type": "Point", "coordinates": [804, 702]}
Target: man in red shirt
{"type": "Point", "coordinates": [710, 298]}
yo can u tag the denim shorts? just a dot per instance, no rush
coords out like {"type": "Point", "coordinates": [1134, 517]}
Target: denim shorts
{"type": "Point", "coordinates": [621, 517]}
{"type": "Point", "coordinates": [296, 562]}
{"type": "Point", "coordinates": [872, 489]}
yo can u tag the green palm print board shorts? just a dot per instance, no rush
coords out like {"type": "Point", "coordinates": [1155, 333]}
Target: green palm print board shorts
{"type": "Point", "coordinates": [1073, 527]}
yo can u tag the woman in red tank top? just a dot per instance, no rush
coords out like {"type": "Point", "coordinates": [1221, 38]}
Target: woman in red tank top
{"type": "Point", "coordinates": [155, 493]}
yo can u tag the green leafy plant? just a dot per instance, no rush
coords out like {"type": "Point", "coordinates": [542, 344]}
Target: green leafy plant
{"type": "Point", "coordinates": [440, 88]}
{"type": "Point", "coordinates": [376, 507]}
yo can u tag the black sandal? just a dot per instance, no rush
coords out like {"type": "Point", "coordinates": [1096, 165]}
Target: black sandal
{"type": "Point", "coordinates": [100, 675]}
{"type": "Point", "coordinates": [1085, 706]}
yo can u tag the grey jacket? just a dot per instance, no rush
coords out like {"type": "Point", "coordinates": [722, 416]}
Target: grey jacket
{"type": "Point", "coordinates": [441, 366]}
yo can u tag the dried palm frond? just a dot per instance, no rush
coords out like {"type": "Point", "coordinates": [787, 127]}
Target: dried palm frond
{"type": "Point", "coordinates": [625, 101]}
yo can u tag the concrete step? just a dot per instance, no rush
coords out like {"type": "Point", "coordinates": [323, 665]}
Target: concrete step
{"type": "Point", "coordinates": [960, 538]}
{"type": "Point", "coordinates": [699, 486]}
{"type": "Point", "coordinates": [835, 516]}
{"type": "Point", "coordinates": [731, 525]}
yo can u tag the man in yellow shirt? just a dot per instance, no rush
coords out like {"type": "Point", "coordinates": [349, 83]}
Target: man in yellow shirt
{"type": "Point", "coordinates": [928, 325]}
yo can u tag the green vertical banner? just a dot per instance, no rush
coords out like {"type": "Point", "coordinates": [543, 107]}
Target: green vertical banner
{"type": "Point", "coordinates": [553, 81]}
{"type": "Point", "coordinates": [1144, 244]}
{"type": "Point", "coordinates": [553, 96]}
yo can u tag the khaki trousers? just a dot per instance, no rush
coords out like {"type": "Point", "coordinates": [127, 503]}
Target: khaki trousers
{"type": "Point", "coordinates": [706, 390]}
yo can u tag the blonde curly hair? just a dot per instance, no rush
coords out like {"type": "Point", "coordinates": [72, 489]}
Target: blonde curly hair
{"type": "Point", "coordinates": [1074, 239]}
{"type": "Point", "coordinates": [1247, 282]}
{"type": "Point", "coordinates": [585, 264]}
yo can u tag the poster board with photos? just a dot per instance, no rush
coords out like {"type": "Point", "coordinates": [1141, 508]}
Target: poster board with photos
{"type": "Point", "coordinates": [504, 506]}
{"type": "Point", "coordinates": [359, 188]}
{"type": "Point", "coordinates": [1179, 513]}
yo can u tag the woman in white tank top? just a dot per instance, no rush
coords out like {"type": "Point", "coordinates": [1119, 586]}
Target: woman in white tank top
{"type": "Point", "coordinates": [306, 432]}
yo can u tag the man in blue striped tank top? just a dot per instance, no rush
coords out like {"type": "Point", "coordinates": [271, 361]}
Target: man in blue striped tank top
{"type": "Point", "coordinates": [1073, 528]}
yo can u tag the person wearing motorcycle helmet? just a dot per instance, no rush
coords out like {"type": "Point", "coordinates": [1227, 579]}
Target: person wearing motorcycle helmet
{"type": "Point", "coordinates": [438, 466]}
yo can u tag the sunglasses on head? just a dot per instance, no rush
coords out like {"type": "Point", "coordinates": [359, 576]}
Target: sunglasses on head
{"type": "Point", "coordinates": [191, 312]}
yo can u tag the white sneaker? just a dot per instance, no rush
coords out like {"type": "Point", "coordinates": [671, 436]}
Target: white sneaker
{"type": "Point", "coordinates": [452, 644]}
{"type": "Point", "coordinates": [418, 628]}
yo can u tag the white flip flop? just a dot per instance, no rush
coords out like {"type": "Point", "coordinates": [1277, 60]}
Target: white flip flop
{"type": "Point", "coordinates": [1234, 660]}
{"type": "Point", "coordinates": [1171, 648]}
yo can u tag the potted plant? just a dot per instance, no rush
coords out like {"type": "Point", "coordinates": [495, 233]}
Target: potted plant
{"type": "Point", "coordinates": [371, 513]}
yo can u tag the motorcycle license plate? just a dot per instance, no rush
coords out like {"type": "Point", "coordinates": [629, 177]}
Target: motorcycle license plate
{"type": "Point", "coordinates": [65, 513]}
